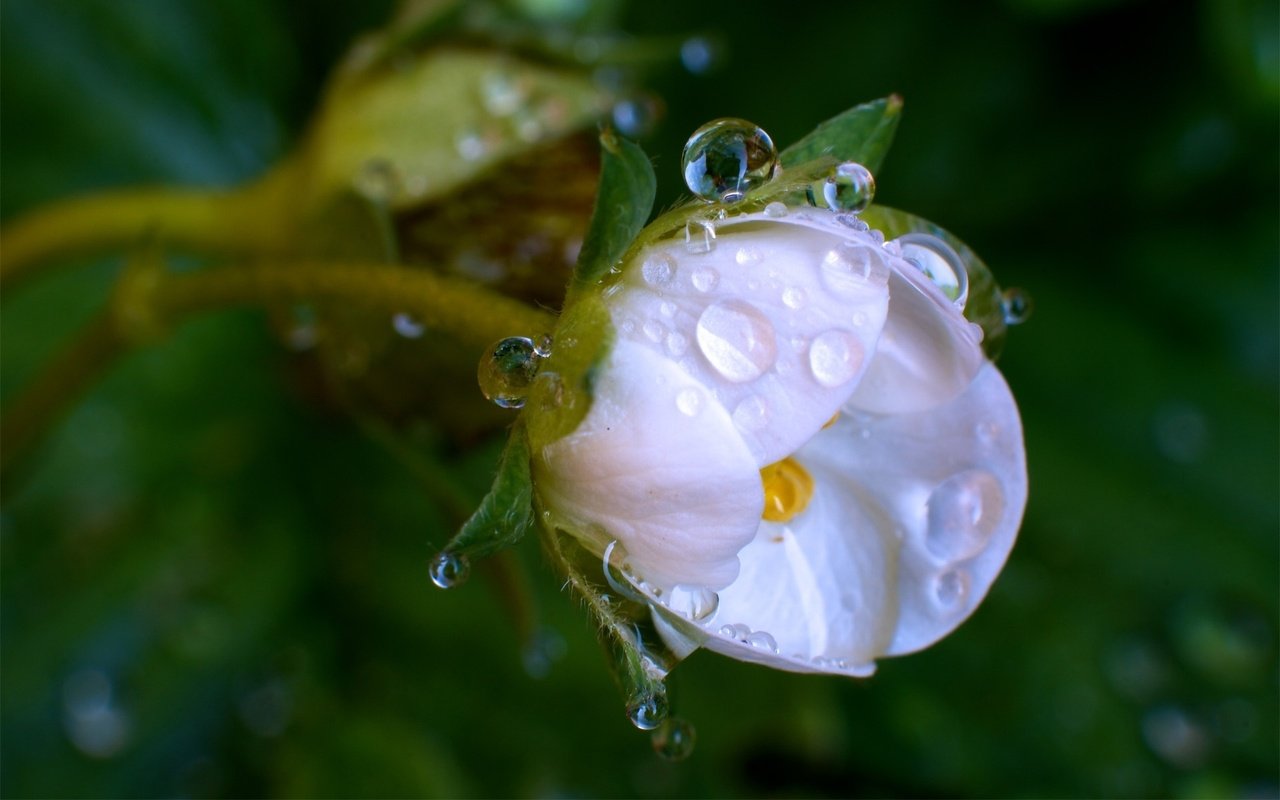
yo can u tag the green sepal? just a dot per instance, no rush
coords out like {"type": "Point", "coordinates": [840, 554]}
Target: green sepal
{"type": "Point", "coordinates": [862, 134]}
{"type": "Point", "coordinates": [985, 303]}
{"type": "Point", "coordinates": [623, 203]}
{"type": "Point", "coordinates": [561, 394]}
{"type": "Point", "coordinates": [506, 512]}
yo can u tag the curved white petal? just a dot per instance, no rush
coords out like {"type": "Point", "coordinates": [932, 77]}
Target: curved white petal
{"type": "Point", "coordinates": [778, 320]}
{"type": "Point", "coordinates": [928, 352]}
{"type": "Point", "coordinates": [657, 465]}
{"type": "Point", "coordinates": [912, 518]}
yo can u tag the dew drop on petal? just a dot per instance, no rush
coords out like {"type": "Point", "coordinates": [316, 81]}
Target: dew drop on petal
{"type": "Point", "coordinates": [689, 401]}
{"type": "Point", "coordinates": [762, 640]}
{"type": "Point", "coordinates": [746, 256]}
{"type": "Point", "coordinates": [737, 340]}
{"type": "Point", "coordinates": [850, 267]}
{"type": "Point", "coordinates": [775, 210]}
{"type": "Point", "coordinates": [951, 588]}
{"type": "Point", "coordinates": [963, 512]}
{"type": "Point", "coordinates": [727, 157]}
{"type": "Point", "coordinates": [508, 369]}
{"type": "Point", "coordinates": [674, 739]}
{"type": "Point", "coordinates": [850, 188]}
{"type": "Point", "coordinates": [939, 263]}
{"type": "Point", "coordinates": [654, 331]}
{"type": "Point", "coordinates": [693, 602]}
{"type": "Point", "coordinates": [1016, 306]}
{"type": "Point", "coordinates": [705, 279]}
{"type": "Point", "coordinates": [835, 357]}
{"type": "Point", "coordinates": [677, 343]}
{"type": "Point", "coordinates": [657, 269]}
{"type": "Point", "coordinates": [699, 236]}
{"type": "Point", "coordinates": [448, 569]}
{"type": "Point", "coordinates": [793, 297]}
{"type": "Point", "coordinates": [648, 711]}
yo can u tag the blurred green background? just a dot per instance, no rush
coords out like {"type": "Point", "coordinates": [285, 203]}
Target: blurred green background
{"type": "Point", "coordinates": [212, 587]}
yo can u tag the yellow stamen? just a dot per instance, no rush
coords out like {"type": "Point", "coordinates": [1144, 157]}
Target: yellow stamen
{"type": "Point", "coordinates": [832, 421]}
{"type": "Point", "coordinates": [788, 488]}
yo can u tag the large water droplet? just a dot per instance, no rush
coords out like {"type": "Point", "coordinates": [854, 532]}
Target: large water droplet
{"type": "Point", "coordinates": [737, 340]}
{"type": "Point", "coordinates": [1016, 306]}
{"type": "Point", "coordinates": [727, 157]}
{"type": "Point", "coordinates": [694, 602]}
{"type": "Point", "coordinates": [963, 513]}
{"type": "Point", "coordinates": [850, 267]}
{"type": "Point", "coordinates": [648, 711]}
{"type": "Point", "coordinates": [939, 263]}
{"type": "Point", "coordinates": [849, 188]}
{"type": "Point", "coordinates": [507, 371]}
{"type": "Point", "coordinates": [775, 210]}
{"type": "Point", "coordinates": [835, 357]}
{"type": "Point", "coordinates": [449, 569]}
{"type": "Point", "coordinates": [674, 739]}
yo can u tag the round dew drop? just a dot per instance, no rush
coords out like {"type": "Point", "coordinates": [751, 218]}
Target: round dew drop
{"type": "Point", "coordinates": [849, 188]}
{"type": "Point", "coordinates": [726, 158]}
{"type": "Point", "coordinates": [508, 370]}
{"type": "Point", "coordinates": [449, 570]}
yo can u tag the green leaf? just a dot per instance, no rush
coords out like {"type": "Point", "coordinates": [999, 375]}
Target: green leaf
{"type": "Point", "coordinates": [862, 134]}
{"type": "Point", "coordinates": [506, 512]}
{"type": "Point", "coordinates": [623, 202]}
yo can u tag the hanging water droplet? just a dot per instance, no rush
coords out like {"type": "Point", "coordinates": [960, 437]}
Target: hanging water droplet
{"type": "Point", "coordinates": [964, 512]}
{"type": "Point", "coordinates": [737, 339]}
{"type": "Point", "coordinates": [674, 739]}
{"type": "Point", "coordinates": [1016, 306]}
{"type": "Point", "coordinates": [407, 325]}
{"type": "Point", "coordinates": [726, 158]}
{"type": "Point", "coordinates": [542, 345]}
{"type": "Point", "coordinates": [693, 602]}
{"type": "Point", "coordinates": [377, 181]}
{"type": "Point", "coordinates": [449, 569]}
{"type": "Point", "coordinates": [647, 712]}
{"type": "Point", "coordinates": [835, 357]}
{"type": "Point", "coordinates": [705, 279]}
{"type": "Point", "coordinates": [762, 640]}
{"type": "Point", "coordinates": [658, 269]}
{"type": "Point", "coordinates": [507, 371]}
{"type": "Point", "coordinates": [849, 188]}
{"type": "Point", "coordinates": [939, 263]}
{"type": "Point", "coordinates": [699, 235]}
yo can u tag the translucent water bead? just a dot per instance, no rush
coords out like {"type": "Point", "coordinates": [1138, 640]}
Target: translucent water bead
{"type": "Point", "coordinates": [726, 158]}
{"type": "Point", "coordinates": [508, 368]}
{"type": "Point", "coordinates": [850, 188]}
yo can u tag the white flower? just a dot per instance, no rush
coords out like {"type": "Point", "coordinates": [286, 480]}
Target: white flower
{"type": "Point", "coordinates": [798, 445]}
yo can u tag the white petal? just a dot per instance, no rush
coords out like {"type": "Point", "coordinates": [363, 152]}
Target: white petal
{"type": "Point", "coordinates": [657, 465]}
{"type": "Point", "coordinates": [778, 320]}
{"type": "Point", "coordinates": [928, 352]}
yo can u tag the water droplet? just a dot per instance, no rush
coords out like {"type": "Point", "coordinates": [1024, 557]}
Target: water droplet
{"type": "Point", "coordinates": [407, 325]}
{"type": "Point", "coordinates": [635, 117]}
{"type": "Point", "coordinates": [850, 221]}
{"type": "Point", "coordinates": [689, 401]}
{"type": "Point", "coordinates": [746, 256]}
{"type": "Point", "coordinates": [835, 357]}
{"type": "Point", "coordinates": [737, 339]}
{"type": "Point", "coordinates": [655, 331]}
{"type": "Point", "coordinates": [699, 236]}
{"type": "Point", "coordinates": [752, 414]}
{"type": "Point", "coordinates": [939, 263]}
{"type": "Point", "coordinates": [951, 588]}
{"type": "Point", "coordinates": [658, 269]}
{"type": "Point", "coordinates": [677, 343]}
{"type": "Point", "coordinates": [471, 145]}
{"type": "Point", "coordinates": [507, 371]}
{"type": "Point", "coordinates": [697, 603]}
{"type": "Point", "coordinates": [377, 181]}
{"type": "Point", "coordinates": [964, 511]}
{"type": "Point", "coordinates": [775, 210]}
{"type": "Point", "coordinates": [1016, 306]}
{"type": "Point", "coordinates": [542, 345]}
{"type": "Point", "coordinates": [647, 712]}
{"type": "Point", "coordinates": [674, 739]}
{"type": "Point", "coordinates": [726, 158]}
{"type": "Point", "coordinates": [793, 297]}
{"type": "Point", "coordinates": [849, 187]}
{"type": "Point", "coordinates": [705, 279]}
{"type": "Point", "coordinates": [850, 267]}
{"type": "Point", "coordinates": [449, 570]}
{"type": "Point", "coordinates": [763, 640]}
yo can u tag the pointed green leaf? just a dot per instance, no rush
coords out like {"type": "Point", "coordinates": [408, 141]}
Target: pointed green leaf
{"type": "Point", "coordinates": [623, 202]}
{"type": "Point", "coordinates": [506, 512]}
{"type": "Point", "coordinates": [862, 134]}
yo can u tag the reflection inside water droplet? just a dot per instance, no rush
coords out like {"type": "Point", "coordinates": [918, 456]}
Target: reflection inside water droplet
{"type": "Point", "coordinates": [726, 158]}
{"type": "Point", "coordinates": [939, 263]}
{"type": "Point", "coordinates": [696, 603]}
{"type": "Point", "coordinates": [835, 357]}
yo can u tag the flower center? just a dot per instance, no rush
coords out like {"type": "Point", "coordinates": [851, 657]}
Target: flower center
{"type": "Point", "coordinates": [788, 488]}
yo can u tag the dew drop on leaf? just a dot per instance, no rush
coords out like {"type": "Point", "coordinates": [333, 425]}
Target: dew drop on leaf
{"type": "Point", "coordinates": [509, 367]}
{"type": "Point", "coordinates": [449, 570]}
{"type": "Point", "coordinates": [726, 158]}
